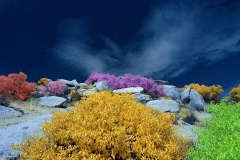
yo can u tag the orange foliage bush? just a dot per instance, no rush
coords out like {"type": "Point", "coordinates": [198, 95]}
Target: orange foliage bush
{"type": "Point", "coordinates": [208, 93]}
{"type": "Point", "coordinates": [233, 94]}
{"type": "Point", "coordinates": [14, 87]}
{"type": "Point", "coordinates": [105, 126]}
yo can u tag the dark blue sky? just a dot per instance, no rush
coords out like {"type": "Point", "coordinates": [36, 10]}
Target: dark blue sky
{"type": "Point", "coordinates": [183, 42]}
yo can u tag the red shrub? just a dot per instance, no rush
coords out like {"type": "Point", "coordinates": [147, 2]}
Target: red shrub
{"type": "Point", "coordinates": [14, 87]}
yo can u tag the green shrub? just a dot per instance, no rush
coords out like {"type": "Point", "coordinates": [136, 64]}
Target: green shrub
{"type": "Point", "coordinates": [220, 137]}
{"type": "Point", "coordinates": [107, 125]}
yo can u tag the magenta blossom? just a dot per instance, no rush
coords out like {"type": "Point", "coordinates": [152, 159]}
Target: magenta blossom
{"type": "Point", "coordinates": [54, 88]}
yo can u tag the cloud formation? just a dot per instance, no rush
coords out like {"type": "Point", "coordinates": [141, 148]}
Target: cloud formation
{"type": "Point", "coordinates": [175, 38]}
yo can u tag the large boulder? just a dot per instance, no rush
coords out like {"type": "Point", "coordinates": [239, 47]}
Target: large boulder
{"type": "Point", "coordinates": [185, 95]}
{"type": "Point", "coordinates": [172, 91]}
{"type": "Point", "coordinates": [52, 101]}
{"type": "Point", "coordinates": [196, 101]}
{"type": "Point", "coordinates": [164, 105]}
{"type": "Point", "coordinates": [100, 86]}
{"type": "Point", "coordinates": [143, 98]}
{"type": "Point", "coordinates": [129, 90]}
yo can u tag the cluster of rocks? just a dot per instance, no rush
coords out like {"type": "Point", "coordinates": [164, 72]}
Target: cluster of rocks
{"type": "Point", "coordinates": [188, 105]}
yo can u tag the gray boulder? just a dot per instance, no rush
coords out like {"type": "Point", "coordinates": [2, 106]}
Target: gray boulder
{"type": "Point", "coordinates": [164, 105]}
{"type": "Point", "coordinates": [196, 101]}
{"type": "Point", "coordinates": [143, 98]}
{"type": "Point", "coordinates": [172, 91]}
{"type": "Point", "coordinates": [100, 86]}
{"type": "Point", "coordinates": [161, 82]}
{"type": "Point", "coordinates": [129, 90]}
{"type": "Point", "coordinates": [185, 95]}
{"type": "Point", "coordinates": [88, 91]}
{"type": "Point", "coordinates": [7, 111]}
{"type": "Point", "coordinates": [72, 83]}
{"type": "Point", "coordinates": [52, 101]}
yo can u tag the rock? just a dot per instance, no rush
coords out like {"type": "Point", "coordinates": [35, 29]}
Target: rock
{"type": "Point", "coordinates": [186, 131]}
{"type": "Point", "coordinates": [196, 101]}
{"type": "Point", "coordinates": [129, 90]}
{"type": "Point", "coordinates": [185, 98]}
{"type": "Point", "coordinates": [4, 101]}
{"type": "Point", "coordinates": [6, 111]}
{"type": "Point", "coordinates": [161, 82]}
{"type": "Point", "coordinates": [89, 91]}
{"type": "Point", "coordinates": [52, 101]}
{"type": "Point", "coordinates": [17, 134]}
{"type": "Point", "coordinates": [188, 100]}
{"type": "Point", "coordinates": [143, 98]}
{"type": "Point", "coordinates": [164, 105]}
{"type": "Point", "coordinates": [172, 91]}
{"type": "Point", "coordinates": [101, 86]}
{"type": "Point", "coordinates": [37, 94]}
{"type": "Point", "coordinates": [72, 83]}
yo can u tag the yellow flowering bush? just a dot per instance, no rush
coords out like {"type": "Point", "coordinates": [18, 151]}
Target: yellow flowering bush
{"type": "Point", "coordinates": [107, 125]}
{"type": "Point", "coordinates": [43, 81]}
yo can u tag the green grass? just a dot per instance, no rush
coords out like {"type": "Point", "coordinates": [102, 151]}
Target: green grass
{"type": "Point", "coordinates": [220, 138]}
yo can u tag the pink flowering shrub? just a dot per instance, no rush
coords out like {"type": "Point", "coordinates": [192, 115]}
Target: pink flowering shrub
{"type": "Point", "coordinates": [54, 88]}
{"type": "Point", "coordinates": [126, 81]}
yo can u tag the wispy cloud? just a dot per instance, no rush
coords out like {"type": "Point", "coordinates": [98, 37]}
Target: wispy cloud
{"type": "Point", "coordinates": [175, 38]}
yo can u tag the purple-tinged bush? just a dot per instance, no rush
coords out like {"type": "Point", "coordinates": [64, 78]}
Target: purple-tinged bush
{"type": "Point", "coordinates": [126, 81]}
{"type": "Point", "coordinates": [157, 90]}
{"type": "Point", "coordinates": [111, 80]}
{"type": "Point", "coordinates": [148, 85]}
{"type": "Point", "coordinates": [54, 88]}
{"type": "Point", "coordinates": [129, 80]}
